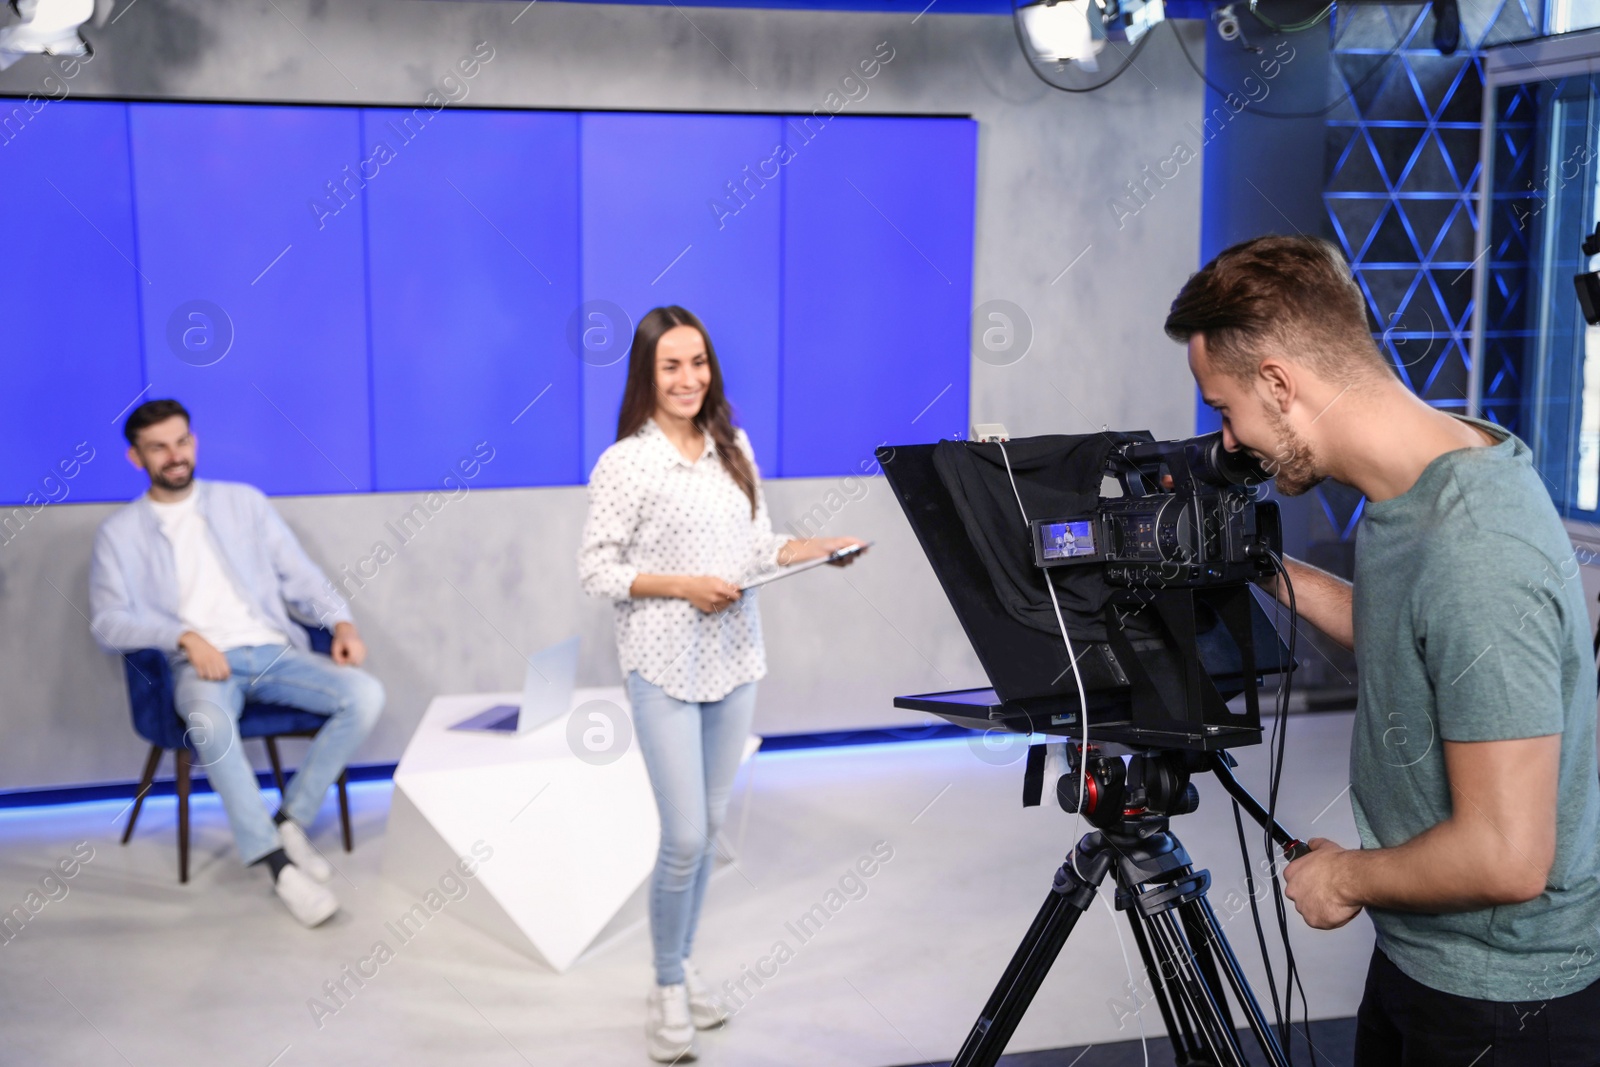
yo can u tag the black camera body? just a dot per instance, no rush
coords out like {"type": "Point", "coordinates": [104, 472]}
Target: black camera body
{"type": "Point", "coordinates": [1188, 517]}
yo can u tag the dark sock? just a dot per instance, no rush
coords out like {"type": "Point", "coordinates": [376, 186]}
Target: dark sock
{"type": "Point", "coordinates": [280, 818]}
{"type": "Point", "coordinates": [277, 859]}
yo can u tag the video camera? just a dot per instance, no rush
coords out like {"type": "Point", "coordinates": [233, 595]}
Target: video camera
{"type": "Point", "coordinates": [1153, 585]}
{"type": "Point", "coordinates": [1188, 516]}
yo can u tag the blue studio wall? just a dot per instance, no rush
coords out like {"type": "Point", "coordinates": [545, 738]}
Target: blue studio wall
{"type": "Point", "coordinates": [351, 299]}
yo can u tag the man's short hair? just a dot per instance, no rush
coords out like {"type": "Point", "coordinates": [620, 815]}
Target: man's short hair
{"type": "Point", "coordinates": [148, 414]}
{"type": "Point", "coordinates": [1290, 296]}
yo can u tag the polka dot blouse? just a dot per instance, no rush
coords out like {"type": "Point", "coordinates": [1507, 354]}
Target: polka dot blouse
{"type": "Point", "coordinates": [652, 511]}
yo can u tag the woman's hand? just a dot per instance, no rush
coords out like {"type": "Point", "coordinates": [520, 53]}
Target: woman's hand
{"type": "Point", "coordinates": [708, 593]}
{"type": "Point", "coordinates": [810, 548]}
{"type": "Point", "coordinates": [830, 545]}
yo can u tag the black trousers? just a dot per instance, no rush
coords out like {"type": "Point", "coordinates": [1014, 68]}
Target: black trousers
{"type": "Point", "coordinates": [1403, 1023]}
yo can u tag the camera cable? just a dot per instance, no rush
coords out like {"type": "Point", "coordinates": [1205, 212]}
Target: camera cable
{"type": "Point", "coordinates": [1255, 915]}
{"type": "Point", "coordinates": [1276, 760]}
{"type": "Point", "coordinates": [1275, 756]}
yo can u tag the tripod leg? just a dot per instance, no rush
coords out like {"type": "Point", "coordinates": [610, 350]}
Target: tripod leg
{"type": "Point", "coordinates": [1265, 1036]}
{"type": "Point", "coordinates": [1179, 1031]}
{"type": "Point", "coordinates": [1069, 898]}
{"type": "Point", "coordinates": [1200, 941]}
{"type": "Point", "coordinates": [1201, 999]}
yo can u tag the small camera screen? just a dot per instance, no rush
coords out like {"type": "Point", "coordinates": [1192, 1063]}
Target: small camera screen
{"type": "Point", "coordinates": [1067, 540]}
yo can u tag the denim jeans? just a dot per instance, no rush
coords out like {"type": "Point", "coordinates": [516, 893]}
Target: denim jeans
{"type": "Point", "coordinates": [692, 752]}
{"type": "Point", "coordinates": [276, 674]}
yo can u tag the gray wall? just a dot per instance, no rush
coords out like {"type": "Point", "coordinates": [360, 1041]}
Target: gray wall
{"type": "Point", "coordinates": [492, 576]}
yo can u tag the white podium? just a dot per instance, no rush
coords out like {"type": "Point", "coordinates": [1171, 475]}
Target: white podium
{"type": "Point", "coordinates": [574, 831]}
{"type": "Point", "coordinates": [572, 840]}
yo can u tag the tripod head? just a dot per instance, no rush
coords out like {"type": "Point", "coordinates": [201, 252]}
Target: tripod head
{"type": "Point", "coordinates": [1136, 792]}
{"type": "Point", "coordinates": [1145, 788]}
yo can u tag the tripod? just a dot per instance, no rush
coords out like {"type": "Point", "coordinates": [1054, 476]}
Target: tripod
{"type": "Point", "coordinates": [1164, 899]}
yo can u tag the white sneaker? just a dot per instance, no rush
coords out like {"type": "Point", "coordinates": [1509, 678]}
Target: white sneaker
{"type": "Point", "coordinates": [705, 1007]}
{"type": "Point", "coordinates": [302, 853]}
{"type": "Point", "coordinates": [307, 901]}
{"type": "Point", "coordinates": [668, 1033]}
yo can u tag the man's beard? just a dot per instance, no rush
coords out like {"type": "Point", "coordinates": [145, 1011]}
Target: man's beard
{"type": "Point", "coordinates": [174, 477]}
{"type": "Point", "coordinates": [1293, 467]}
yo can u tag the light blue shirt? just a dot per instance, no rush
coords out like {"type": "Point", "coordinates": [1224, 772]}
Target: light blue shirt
{"type": "Point", "coordinates": [133, 583]}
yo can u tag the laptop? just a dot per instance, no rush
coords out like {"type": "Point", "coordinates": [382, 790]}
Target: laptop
{"type": "Point", "coordinates": [546, 694]}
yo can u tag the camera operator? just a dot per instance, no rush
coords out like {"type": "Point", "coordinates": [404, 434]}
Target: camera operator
{"type": "Point", "coordinates": [1472, 766]}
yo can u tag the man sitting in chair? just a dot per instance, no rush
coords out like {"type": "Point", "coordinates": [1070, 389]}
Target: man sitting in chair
{"type": "Point", "coordinates": [208, 572]}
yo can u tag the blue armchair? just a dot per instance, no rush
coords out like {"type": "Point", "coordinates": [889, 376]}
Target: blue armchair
{"type": "Point", "coordinates": [155, 718]}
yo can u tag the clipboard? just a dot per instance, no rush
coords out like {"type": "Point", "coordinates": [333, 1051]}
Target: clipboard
{"type": "Point", "coordinates": [784, 572]}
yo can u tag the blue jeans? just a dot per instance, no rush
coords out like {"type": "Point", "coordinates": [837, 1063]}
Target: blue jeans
{"type": "Point", "coordinates": [276, 674]}
{"type": "Point", "coordinates": [692, 752]}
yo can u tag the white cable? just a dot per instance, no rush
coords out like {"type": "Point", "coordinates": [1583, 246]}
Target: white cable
{"type": "Point", "coordinates": [1077, 675]}
{"type": "Point", "coordinates": [1083, 759]}
{"type": "Point", "coordinates": [1127, 966]}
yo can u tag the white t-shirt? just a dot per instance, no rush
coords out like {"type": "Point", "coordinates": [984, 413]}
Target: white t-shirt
{"type": "Point", "coordinates": [208, 601]}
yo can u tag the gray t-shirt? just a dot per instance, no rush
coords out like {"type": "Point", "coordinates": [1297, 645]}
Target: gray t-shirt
{"type": "Point", "coordinates": [1470, 625]}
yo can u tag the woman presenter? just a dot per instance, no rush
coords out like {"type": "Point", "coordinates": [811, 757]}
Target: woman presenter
{"type": "Point", "coordinates": [676, 524]}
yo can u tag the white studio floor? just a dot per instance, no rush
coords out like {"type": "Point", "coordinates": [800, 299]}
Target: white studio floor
{"type": "Point", "coordinates": [131, 968]}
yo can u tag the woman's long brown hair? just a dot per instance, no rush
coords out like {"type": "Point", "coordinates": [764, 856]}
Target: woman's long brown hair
{"type": "Point", "coordinates": [716, 415]}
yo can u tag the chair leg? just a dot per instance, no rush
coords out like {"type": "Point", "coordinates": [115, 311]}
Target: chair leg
{"type": "Point", "coordinates": [183, 814]}
{"type": "Point", "coordinates": [277, 765]}
{"type": "Point", "coordinates": [150, 765]}
{"type": "Point", "coordinates": [344, 810]}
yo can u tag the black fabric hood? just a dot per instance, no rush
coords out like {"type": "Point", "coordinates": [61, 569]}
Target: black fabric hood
{"type": "Point", "coordinates": [1057, 476]}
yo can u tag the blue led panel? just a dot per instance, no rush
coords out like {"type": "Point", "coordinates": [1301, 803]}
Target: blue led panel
{"type": "Point", "coordinates": [661, 226]}
{"type": "Point", "coordinates": [250, 232]}
{"type": "Point", "coordinates": [352, 300]}
{"type": "Point", "coordinates": [473, 240]}
{"type": "Point", "coordinates": [70, 305]}
{"type": "Point", "coordinates": [877, 254]}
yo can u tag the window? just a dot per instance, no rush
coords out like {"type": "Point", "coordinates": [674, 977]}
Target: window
{"type": "Point", "coordinates": [1568, 15]}
{"type": "Point", "coordinates": [1541, 363]}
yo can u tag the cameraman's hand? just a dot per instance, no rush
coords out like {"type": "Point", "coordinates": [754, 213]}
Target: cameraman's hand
{"type": "Point", "coordinates": [709, 593]}
{"type": "Point", "coordinates": [210, 664]}
{"type": "Point", "coordinates": [1312, 882]}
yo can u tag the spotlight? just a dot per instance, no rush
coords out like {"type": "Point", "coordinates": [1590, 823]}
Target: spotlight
{"type": "Point", "coordinates": [1065, 30]}
{"type": "Point", "coordinates": [47, 27]}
